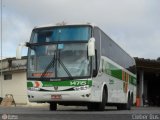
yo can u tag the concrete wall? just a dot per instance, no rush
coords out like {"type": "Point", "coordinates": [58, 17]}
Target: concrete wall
{"type": "Point", "coordinates": [16, 86]}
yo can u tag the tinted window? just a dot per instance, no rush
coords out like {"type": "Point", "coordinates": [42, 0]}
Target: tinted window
{"type": "Point", "coordinates": [105, 42]}
{"type": "Point", "coordinates": [67, 33]}
{"type": "Point", "coordinates": [111, 50]}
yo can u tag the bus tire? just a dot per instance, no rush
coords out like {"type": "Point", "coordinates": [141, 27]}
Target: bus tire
{"type": "Point", "coordinates": [131, 100]}
{"type": "Point", "coordinates": [126, 106]}
{"type": "Point", "coordinates": [91, 106]}
{"type": "Point", "coordinates": [53, 106]}
{"type": "Point", "coordinates": [101, 106]}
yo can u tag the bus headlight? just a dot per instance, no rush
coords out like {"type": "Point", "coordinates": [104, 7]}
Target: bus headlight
{"type": "Point", "coordinates": [34, 88]}
{"type": "Point", "coordinates": [81, 87]}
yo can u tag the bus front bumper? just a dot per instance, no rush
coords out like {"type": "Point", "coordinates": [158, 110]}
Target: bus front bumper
{"type": "Point", "coordinates": [39, 96]}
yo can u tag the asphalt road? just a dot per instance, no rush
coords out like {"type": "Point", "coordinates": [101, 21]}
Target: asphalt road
{"type": "Point", "coordinates": [77, 113]}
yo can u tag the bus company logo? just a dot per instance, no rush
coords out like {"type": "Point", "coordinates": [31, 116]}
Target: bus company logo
{"type": "Point", "coordinates": [56, 88]}
{"type": "Point", "coordinates": [4, 117]}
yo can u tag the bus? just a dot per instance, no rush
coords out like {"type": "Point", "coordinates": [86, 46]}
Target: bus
{"type": "Point", "coordinates": [78, 64]}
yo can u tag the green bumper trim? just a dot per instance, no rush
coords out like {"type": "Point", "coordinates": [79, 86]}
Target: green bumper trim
{"type": "Point", "coordinates": [60, 83]}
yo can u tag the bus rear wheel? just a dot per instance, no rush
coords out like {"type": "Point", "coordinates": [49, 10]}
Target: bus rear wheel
{"type": "Point", "coordinates": [126, 106]}
{"type": "Point", "coordinates": [53, 106]}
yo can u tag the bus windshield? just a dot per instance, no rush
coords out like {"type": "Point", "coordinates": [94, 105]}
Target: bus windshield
{"type": "Point", "coordinates": [62, 33]}
{"type": "Point", "coordinates": [59, 52]}
{"type": "Point", "coordinates": [59, 61]}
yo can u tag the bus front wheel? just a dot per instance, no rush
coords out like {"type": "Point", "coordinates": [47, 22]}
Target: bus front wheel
{"type": "Point", "coordinates": [101, 105]}
{"type": "Point", "coordinates": [53, 106]}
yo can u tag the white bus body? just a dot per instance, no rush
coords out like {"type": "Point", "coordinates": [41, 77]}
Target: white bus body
{"type": "Point", "coordinates": [57, 75]}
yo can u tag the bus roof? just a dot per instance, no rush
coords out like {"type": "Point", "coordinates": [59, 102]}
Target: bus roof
{"type": "Point", "coordinates": [65, 24]}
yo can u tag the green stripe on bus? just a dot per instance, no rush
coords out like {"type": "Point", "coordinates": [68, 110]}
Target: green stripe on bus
{"type": "Point", "coordinates": [116, 72]}
{"type": "Point", "coordinates": [62, 83]}
{"type": "Point", "coordinates": [29, 84]}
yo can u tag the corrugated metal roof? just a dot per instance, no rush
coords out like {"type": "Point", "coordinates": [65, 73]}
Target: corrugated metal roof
{"type": "Point", "coordinates": [150, 65]}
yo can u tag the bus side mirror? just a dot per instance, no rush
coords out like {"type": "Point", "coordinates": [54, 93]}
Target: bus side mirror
{"type": "Point", "coordinates": [19, 50]}
{"type": "Point", "coordinates": [91, 47]}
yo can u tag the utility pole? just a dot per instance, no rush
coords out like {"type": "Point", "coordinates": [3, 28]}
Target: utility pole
{"type": "Point", "coordinates": [1, 50]}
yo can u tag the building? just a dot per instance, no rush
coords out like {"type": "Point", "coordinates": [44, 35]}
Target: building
{"type": "Point", "coordinates": [13, 79]}
{"type": "Point", "coordinates": [148, 81]}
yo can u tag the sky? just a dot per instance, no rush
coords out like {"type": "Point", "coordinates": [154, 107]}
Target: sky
{"type": "Point", "coordinates": [132, 24]}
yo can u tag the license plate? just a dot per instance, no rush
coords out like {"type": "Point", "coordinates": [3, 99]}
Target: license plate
{"type": "Point", "coordinates": [56, 97]}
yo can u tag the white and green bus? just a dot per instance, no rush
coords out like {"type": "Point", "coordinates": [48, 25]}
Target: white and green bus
{"type": "Point", "coordinates": [78, 64]}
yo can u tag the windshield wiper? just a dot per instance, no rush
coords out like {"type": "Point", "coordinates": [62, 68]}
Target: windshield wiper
{"type": "Point", "coordinates": [65, 68]}
{"type": "Point", "coordinates": [51, 64]}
